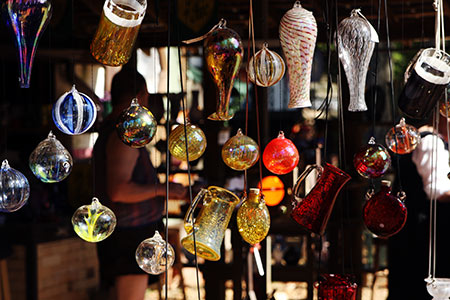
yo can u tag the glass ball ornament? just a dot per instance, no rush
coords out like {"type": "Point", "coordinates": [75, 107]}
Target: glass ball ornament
{"type": "Point", "coordinates": [240, 152]}
{"type": "Point", "coordinates": [94, 222]}
{"type": "Point", "coordinates": [74, 112]}
{"type": "Point", "coordinates": [50, 161]}
{"type": "Point", "coordinates": [372, 161]}
{"type": "Point", "coordinates": [269, 67]}
{"type": "Point", "coordinates": [196, 141]}
{"type": "Point", "coordinates": [280, 155]}
{"type": "Point", "coordinates": [136, 125]}
{"type": "Point", "coordinates": [273, 189]}
{"type": "Point", "coordinates": [151, 255]}
{"type": "Point", "coordinates": [14, 188]}
{"type": "Point", "coordinates": [403, 138]}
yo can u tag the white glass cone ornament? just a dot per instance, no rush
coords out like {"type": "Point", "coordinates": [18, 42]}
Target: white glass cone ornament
{"type": "Point", "coordinates": [151, 255]}
{"type": "Point", "coordinates": [439, 288]}
{"type": "Point", "coordinates": [14, 189]}
{"type": "Point", "coordinates": [269, 67]}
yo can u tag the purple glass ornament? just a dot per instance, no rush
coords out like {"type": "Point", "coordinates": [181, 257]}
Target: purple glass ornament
{"type": "Point", "coordinates": [372, 161]}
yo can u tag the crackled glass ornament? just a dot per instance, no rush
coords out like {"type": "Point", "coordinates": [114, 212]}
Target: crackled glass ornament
{"type": "Point", "coordinates": [151, 255]}
{"type": "Point", "coordinates": [196, 142]}
{"type": "Point", "coordinates": [14, 188]}
{"type": "Point", "coordinates": [94, 222]}
{"type": "Point", "coordinates": [336, 287]}
{"type": "Point", "coordinates": [269, 67]}
{"type": "Point", "coordinates": [355, 49]}
{"type": "Point", "coordinates": [403, 138]}
{"type": "Point", "coordinates": [438, 288]}
{"type": "Point", "coordinates": [240, 152]}
{"type": "Point", "coordinates": [136, 126]}
{"type": "Point", "coordinates": [74, 112]}
{"type": "Point", "coordinates": [27, 20]}
{"type": "Point", "coordinates": [372, 161]}
{"type": "Point", "coordinates": [280, 155]}
{"type": "Point", "coordinates": [50, 161]}
{"type": "Point", "coordinates": [253, 218]}
{"type": "Point", "coordinates": [298, 34]}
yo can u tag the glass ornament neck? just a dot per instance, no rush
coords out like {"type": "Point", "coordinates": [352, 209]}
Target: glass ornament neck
{"type": "Point", "coordinates": [51, 135]}
{"type": "Point", "coordinates": [281, 135]}
{"type": "Point", "coordinates": [372, 141]}
{"type": "Point", "coordinates": [95, 204]}
{"type": "Point", "coordinates": [5, 164]}
{"type": "Point", "coordinates": [297, 4]}
{"type": "Point", "coordinates": [134, 102]}
{"type": "Point", "coordinates": [254, 195]}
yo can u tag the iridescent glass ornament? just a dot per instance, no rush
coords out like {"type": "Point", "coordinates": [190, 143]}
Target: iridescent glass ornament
{"type": "Point", "coordinates": [14, 188]}
{"type": "Point", "coordinates": [240, 152]}
{"type": "Point", "coordinates": [136, 125]}
{"type": "Point", "coordinates": [403, 138]}
{"type": "Point", "coordinates": [298, 34]}
{"type": "Point", "coordinates": [280, 155]}
{"type": "Point", "coordinates": [27, 20]}
{"type": "Point", "coordinates": [269, 67]}
{"type": "Point", "coordinates": [94, 222]}
{"type": "Point", "coordinates": [438, 288]}
{"type": "Point", "coordinates": [355, 49]}
{"type": "Point", "coordinates": [74, 112]}
{"type": "Point", "coordinates": [336, 287]}
{"type": "Point", "coordinates": [151, 255]}
{"type": "Point", "coordinates": [50, 161]}
{"type": "Point", "coordinates": [372, 161]}
{"type": "Point", "coordinates": [196, 141]}
{"type": "Point", "coordinates": [253, 218]}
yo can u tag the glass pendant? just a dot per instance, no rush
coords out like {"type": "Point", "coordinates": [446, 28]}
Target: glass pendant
{"type": "Point", "coordinates": [372, 161]}
{"type": "Point", "coordinates": [336, 287]}
{"type": "Point", "coordinates": [438, 288]}
{"type": "Point", "coordinates": [14, 188]}
{"type": "Point", "coordinates": [136, 125]}
{"type": "Point", "coordinates": [151, 255]}
{"type": "Point", "coordinates": [403, 138]}
{"type": "Point", "coordinates": [280, 155]}
{"type": "Point", "coordinates": [269, 67]}
{"type": "Point", "coordinates": [50, 161]}
{"type": "Point", "coordinates": [273, 189]}
{"type": "Point", "coordinates": [94, 222]}
{"type": "Point", "coordinates": [196, 141]}
{"type": "Point", "coordinates": [240, 152]}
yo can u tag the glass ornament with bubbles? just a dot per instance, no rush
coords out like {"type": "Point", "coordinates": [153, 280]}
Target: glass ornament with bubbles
{"type": "Point", "coordinates": [280, 155]}
{"type": "Point", "coordinates": [94, 222]}
{"type": "Point", "coordinates": [151, 255]}
{"type": "Point", "coordinates": [403, 138]}
{"type": "Point", "coordinates": [240, 152]}
{"type": "Point", "coordinates": [50, 161]}
{"type": "Point", "coordinates": [269, 67]}
{"type": "Point", "coordinates": [74, 112]}
{"type": "Point", "coordinates": [196, 141]}
{"type": "Point", "coordinates": [372, 161]}
{"type": "Point", "coordinates": [14, 188]}
{"type": "Point", "coordinates": [136, 126]}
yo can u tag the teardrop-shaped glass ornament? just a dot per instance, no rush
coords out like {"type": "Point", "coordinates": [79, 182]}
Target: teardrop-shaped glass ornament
{"type": "Point", "coordinates": [196, 141]}
{"type": "Point", "coordinates": [269, 67]}
{"type": "Point", "coordinates": [74, 112]}
{"type": "Point", "coordinates": [94, 222]}
{"type": "Point", "coordinates": [14, 188]}
{"type": "Point", "coordinates": [280, 155]}
{"type": "Point", "coordinates": [50, 161]}
{"type": "Point", "coordinates": [240, 152]}
{"type": "Point", "coordinates": [151, 255]}
{"type": "Point", "coordinates": [253, 218]}
{"type": "Point", "coordinates": [403, 138]}
{"type": "Point", "coordinates": [372, 161]}
{"type": "Point", "coordinates": [136, 125]}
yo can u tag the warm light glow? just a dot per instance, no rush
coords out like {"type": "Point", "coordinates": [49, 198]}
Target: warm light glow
{"type": "Point", "coordinates": [272, 189]}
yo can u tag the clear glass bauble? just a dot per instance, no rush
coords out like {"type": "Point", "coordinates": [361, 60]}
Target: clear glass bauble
{"type": "Point", "coordinates": [240, 152]}
{"type": "Point", "coordinates": [50, 161]}
{"type": "Point", "coordinates": [94, 222]}
{"type": "Point", "coordinates": [280, 155]}
{"type": "Point", "coordinates": [151, 255]}
{"type": "Point", "coordinates": [403, 138]}
{"type": "Point", "coordinates": [372, 161]}
{"type": "Point", "coordinates": [74, 112]}
{"type": "Point", "coordinates": [196, 141]}
{"type": "Point", "coordinates": [136, 125]}
{"type": "Point", "coordinates": [269, 67]}
{"type": "Point", "coordinates": [14, 188]}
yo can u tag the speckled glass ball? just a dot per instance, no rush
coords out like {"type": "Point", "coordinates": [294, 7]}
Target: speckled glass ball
{"type": "Point", "coordinates": [403, 138]}
{"type": "Point", "coordinates": [372, 161]}
{"type": "Point", "coordinates": [253, 218]}
{"type": "Point", "coordinates": [14, 189]}
{"type": "Point", "coordinates": [280, 155]}
{"type": "Point", "coordinates": [151, 255]}
{"type": "Point", "coordinates": [240, 152]}
{"type": "Point", "coordinates": [196, 141]}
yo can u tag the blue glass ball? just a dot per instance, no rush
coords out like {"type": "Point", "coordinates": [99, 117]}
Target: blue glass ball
{"type": "Point", "coordinates": [74, 112]}
{"type": "Point", "coordinates": [14, 188]}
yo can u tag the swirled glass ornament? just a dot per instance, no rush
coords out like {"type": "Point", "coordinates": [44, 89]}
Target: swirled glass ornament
{"type": "Point", "coordinates": [50, 161]}
{"type": "Point", "coordinates": [151, 255]}
{"type": "Point", "coordinates": [136, 125]}
{"type": "Point", "coordinates": [403, 138]}
{"type": "Point", "coordinates": [280, 155]}
{"type": "Point", "coordinates": [269, 67]}
{"type": "Point", "coordinates": [94, 222]}
{"type": "Point", "coordinates": [298, 34]}
{"type": "Point", "coordinates": [196, 141]}
{"type": "Point", "coordinates": [14, 188]}
{"type": "Point", "coordinates": [372, 161]}
{"type": "Point", "coordinates": [74, 112]}
{"type": "Point", "coordinates": [240, 152]}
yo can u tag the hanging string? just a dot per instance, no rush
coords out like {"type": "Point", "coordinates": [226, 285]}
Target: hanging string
{"type": "Point", "coordinates": [4, 106]}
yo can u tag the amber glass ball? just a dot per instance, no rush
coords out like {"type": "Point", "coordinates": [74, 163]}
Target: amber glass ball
{"type": "Point", "coordinates": [240, 152]}
{"type": "Point", "coordinates": [196, 141]}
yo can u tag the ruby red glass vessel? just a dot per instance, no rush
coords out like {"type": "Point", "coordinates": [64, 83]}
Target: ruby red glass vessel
{"type": "Point", "coordinates": [336, 287]}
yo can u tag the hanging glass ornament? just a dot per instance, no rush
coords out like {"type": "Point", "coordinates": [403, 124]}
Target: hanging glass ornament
{"type": "Point", "coordinates": [50, 161]}
{"type": "Point", "coordinates": [253, 218]}
{"type": "Point", "coordinates": [136, 125]}
{"type": "Point", "coordinates": [151, 255]}
{"type": "Point", "coordinates": [196, 141]}
{"type": "Point", "coordinates": [372, 161]}
{"type": "Point", "coordinates": [298, 34]}
{"type": "Point", "coordinates": [403, 138]}
{"type": "Point", "coordinates": [336, 287]}
{"type": "Point", "coordinates": [269, 67]}
{"type": "Point", "coordinates": [240, 152]}
{"type": "Point", "coordinates": [438, 288]}
{"type": "Point", "coordinates": [273, 189]}
{"type": "Point", "coordinates": [280, 155]}
{"type": "Point", "coordinates": [94, 222]}
{"type": "Point", "coordinates": [27, 21]}
{"type": "Point", "coordinates": [14, 188]}
{"type": "Point", "coordinates": [443, 107]}
{"type": "Point", "coordinates": [74, 112]}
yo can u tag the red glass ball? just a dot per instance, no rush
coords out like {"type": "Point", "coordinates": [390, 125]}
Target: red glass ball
{"type": "Point", "coordinates": [336, 286]}
{"type": "Point", "coordinates": [372, 161]}
{"type": "Point", "coordinates": [280, 155]}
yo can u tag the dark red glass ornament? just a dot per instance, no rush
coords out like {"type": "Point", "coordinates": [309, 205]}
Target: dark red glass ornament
{"type": "Point", "coordinates": [372, 161]}
{"type": "Point", "coordinates": [336, 287]}
{"type": "Point", "coordinates": [280, 155]}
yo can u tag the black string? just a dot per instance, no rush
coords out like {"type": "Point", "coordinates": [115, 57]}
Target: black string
{"type": "Point", "coordinates": [4, 107]}
{"type": "Point", "coordinates": [93, 154]}
{"type": "Point", "coordinates": [329, 96]}
{"type": "Point", "coordinates": [167, 144]}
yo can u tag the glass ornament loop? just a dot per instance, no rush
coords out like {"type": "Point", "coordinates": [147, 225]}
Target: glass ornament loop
{"type": "Point", "coordinates": [438, 288]}
{"type": "Point", "coordinates": [297, 4]}
{"type": "Point", "coordinates": [372, 161]}
{"type": "Point", "coordinates": [14, 188]}
{"type": "Point", "coordinates": [269, 67]}
{"type": "Point", "coordinates": [196, 142]}
{"type": "Point", "coordinates": [280, 155]}
{"type": "Point", "coordinates": [402, 138]}
{"type": "Point", "coordinates": [370, 192]}
{"type": "Point", "coordinates": [240, 152]}
{"type": "Point", "coordinates": [151, 255]}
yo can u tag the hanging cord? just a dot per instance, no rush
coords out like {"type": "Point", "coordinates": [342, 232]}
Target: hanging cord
{"type": "Point", "coordinates": [167, 146]}
{"type": "Point", "coordinates": [93, 153]}
{"type": "Point", "coordinates": [4, 106]}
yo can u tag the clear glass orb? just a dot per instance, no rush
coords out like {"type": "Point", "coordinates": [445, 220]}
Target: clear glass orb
{"type": "Point", "coordinates": [253, 218]}
{"type": "Point", "coordinates": [196, 141]}
{"type": "Point", "coordinates": [280, 155]}
{"type": "Point", "coordinates": [269, 67]}
{"type": "Point", "coordinates": [151, 255]}
{"type": "Point", "coordinates": [240, 152]}
{"type": "Point", "coordinates": [14, 189]}
{"type": "Point", "coordinates": [403, 138]}
{"type": "Point", "coordinates": [372, 161]}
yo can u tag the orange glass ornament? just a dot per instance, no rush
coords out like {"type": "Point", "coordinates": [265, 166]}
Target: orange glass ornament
{"type": "Point", "coordinates": [273, 190]}
{"type": "Point", "coordinates": [240, 152]}
{"type": "Point", "coordinates": [281, 155]}
{"type": "Point", "coordinates": [403, 138]}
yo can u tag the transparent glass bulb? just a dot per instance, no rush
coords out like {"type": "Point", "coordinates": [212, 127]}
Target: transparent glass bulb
{"type": "Point", "coordinates": [151, 255]}
{"type": "Point", "coordinates": [240, 152]}
{"type": "Point", "coordinates": [196, 142]}
{"type": "Point", "coordinates": [14, 188]}
{"type": "Point", "coordinates": [253, 218]}
{"type": "Point", "coordinates": [269, 67]}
